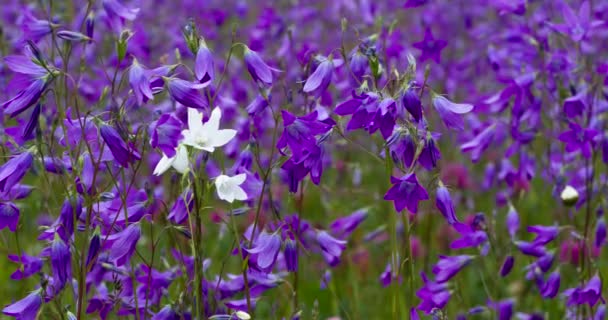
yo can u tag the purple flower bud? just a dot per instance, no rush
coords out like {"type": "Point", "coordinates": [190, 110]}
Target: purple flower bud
{"type": "Point", "coordinates": [124, 244]}
{"type": "Point", "coordinates": [14, 169]}
{"type": "Point", "coordinates": [412, 103]}
{"type": "Point", "coordinates": [257, 105]}
{"type": "Point", "coordinates": [386, 276]}
{"type": "Point", "coordinates": [512, 221]}
{"type": "Point", "coordinates": [343, 227]}
{"type": "Point", "coordinates": [600, 233]}
{"type": "Point", "coordinates": [450, 112]}
{"type": "Point", "coordinates": [90, 25]}
{"type": "Point", "coordinates": [575, 105]}
{"type": "Point", "coordinates": [60, 264]}
{"type": "Point", "coordinates": [32, 124]}
{"type": "Point", "coordinates": [9, 216]}
{"type": "Point", "coordinates": [507, 266]}
{"type": "Point", "coordinates": [187, 93]}
{"type": "Point", "coordinates": [72, 36]}
{"type": "Point", "coordinates": [358, 64]}
{"type": "Point", "coordinates": [551, 286]}
{"type": "Point", "coordinates": [258, 69]}
{"type": "Point", "coordinates": [94, 249]}
{"type": "Point", "coordinates": [121, 152]}
{"type": "Point", "coordinates": [444, 204]}
{"type": "Point", "coordinates": [544, 234]}
{"type": "Point", "coordinates": [291, 254]}
{"type": "Point", "coordinates": [183, 204]}
{"type": "Point", "coordinates": [319, 80]}
{"type": "Point", "coordinates": [449, 266]}
{"type": "Point", "coordinates": [531, 249]}
{"type": "Point", "coordinates": [331, 247]}
{"type": "Point", "coordinates": [203, 65]}
{"type": "Point", "coordinates": [26, 308]}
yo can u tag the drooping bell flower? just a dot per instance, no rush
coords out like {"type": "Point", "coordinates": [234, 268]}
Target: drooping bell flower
{"type": "Point", "coordinates": [319, 80]}
{"type": "Point", "coordinates": [448, 266]}
{"type": "Point", "coordinates": [207, 136]}
{"type": "Point", "coordinates": [60, 263]}
{"type": "Point", "coordinates": [406, 192]}
{"type": "Point", "coordinates": [450, 112]}
{"type": "Point", "coordinates": [444, 204]}
{"type": "Point", "coordinates": [430, 154]}
{"type": "Point", "coordinates": [578, 138]}
{"type": "Point", "coordinates": [165, 134]}
{"type": "Point", "coordinates": [433, 295]}
{"type": "Point", "coordinates": [29, 266]}
{"type": "Point", "coordinates": [32, 124]}
{"type": "Point", "coordinates": [229, 188]}
{"type": "Point", "coordinates": [551, 286]}
{"type": "Point", "coordinates": [344, 226]}
{"type": "Point", "coordinates": [411, 103]}
{"type": "Point", "coordinates": [124, 243]}
{"type": "Point", "coordinates": [263, 254]}
{"type": "Point", "coordinates": [544, 234]}
{"type": "Point", "coordinates": [140, 83]}
{"type": "Point", "coordinates": [27, 97]}
{"type": "Point", "coordinates": [331, 247]}
{"type": "Point", "coordinates": [117, 13]}
{"type": "Point", "coordinates": [257, 105]}
{"type": "Point", "coordinates": [14, 169]}
{"type": "Point", "coordinates": [26, 308]}
{"type": "Point", "coordinates": [575, 105]}
{"type": "Point", "coordinates": [531, 248]}
{"type": "Point", "coordinates": [9, 216]}
{"type": "Point", "coordinates": [402, 147]}
{"type": "Point", "coordinates": [386, 277]}
{"type": "Point", "coordinates": [182, 206]}
{"type": "Point", "coordinates": [187, 93]}
{"type": "Point", "coordinates": [35, 29]}
{"type": "Point", "coordinates": [258, 69]}
{"type": "Point", "coordinates": [480, 143]}
{"type": "Point", "coordinates": [359, 64]}
{"type": "Point", "coordinates": [203, 64]}
{"type": "Point", "coordinates": [123, 154]}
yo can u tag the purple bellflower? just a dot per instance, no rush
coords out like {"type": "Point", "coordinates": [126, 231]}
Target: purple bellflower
{"type": "Point", "coordinates": [123, 154]}
{"type": "Point", "coordinates": [450, 112]}
{"type": "Point", "coordinates": [406, 192]}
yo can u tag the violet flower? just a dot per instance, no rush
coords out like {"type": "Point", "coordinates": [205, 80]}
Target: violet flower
{"type": "Point", "coordinates": [140, 83]}
{"type": "Point", "coordinates": [124, 243]}
{"type": "Point", "coordinates": [263, 254]}
{"type": "Point", "coordinates": [319, 80]}
{"type": "Point", "coordinates": [331, 247]}
{"type": "Point", "coordinates": [411, 102]}
{"type": "Point", "coordinates": [450, 112]}
{"type": "Point", "coordinates": [14, 169]}
{"type": "Point", "coordinates": [123, 154]}
{"type": "Point", "coordinates": [406, 192]}
{"type": "Point", "coordinates": [165, 134]}
{"type": "Point", "coordinates": [431, 48]}
{"type": "Point", "coordinates": [444, 204]}
{"type": "Point", "coordinates": [187, 93]}
{"type": "Point", "coordinates": [29, 266]}
{"type": "Point", "coordinates": [258, 69]}
{"type": "Point", "coordinates": [578, 138]}
{"type": "Point", "coordinates": [9, 216]}
{"type": "Point", "coordinates": [448, 266]}
{"type": "Point", "coordinates": [60, 257]}
{"type": "Point", "coordinates": [344, 226]}
{"type": "Point", "coordinates": [26, 308]}
{"type": "Point", "coordinates": [203, 65]}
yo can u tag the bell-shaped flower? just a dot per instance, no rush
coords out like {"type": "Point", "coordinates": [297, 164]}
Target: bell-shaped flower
{"type": "Point", "coordinates": [165, 134]}
{"type": "Point", "coordinates": [122, 152]}
{"type": "Point", "coordinates": [206, 136]}
{"type": "Point", "coordinates": [123, 244]}
{"type": "Point", "coordinates": [406, 192]}
{"type": "Point", "coordinates": [26, 308]}
{"type": "Point", "coordinates": [258, 69]}
{"type": "Point", "coordinates": [331, 247]}
{"type": "Point", "coordinates": [449, 266]}
{"type": "Point", "coordinates": [187, 93]}
{"type": "Point", "coordinates": [9, 216]}
{"type": "Point", "coordinates": [229, 188]}
{"type": "Point", "coordinates": [179, 161]}
{"type": "Point", "coordinates": [263, 254]}
{"type": "Point", "coordinates": [140, 83]}
{"type": "Point", "coordinates": [450, 112]}
{"type": "Point", "coordinates": [14, 169]}
{"type": "Point", "coordinates": [60, 257]}
{"type": "Point", "coordinates": [444, 204]}
{"type": "Point", "coordinates": [203, 65]}
{"type": "Point", "coordinates": [319, 80]}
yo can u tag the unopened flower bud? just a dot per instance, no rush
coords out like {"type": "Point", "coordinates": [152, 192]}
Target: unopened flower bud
{"type": "Point", "coordinates": [569, 196]}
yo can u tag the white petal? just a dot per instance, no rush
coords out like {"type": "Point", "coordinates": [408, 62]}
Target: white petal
{"type": "Point", "coordinates": [221, 179]}
{"type": "Point", "coordinates": [239, 194]}
{"type": "Point", "coordinates": [222, 137]}
{"type": "Point", "coordinates": [195, 119]}
{"type": "Point", "coordinates": [163, 165]}
{"type": "Point", "coordinates": [180, 164]}
{"type": "Point", "coordinates": [214, 120]}
{"type": "Point", "coordinates": [238, 179]}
